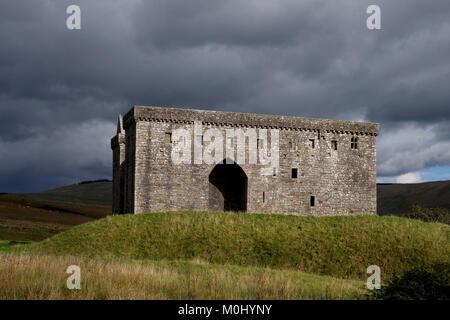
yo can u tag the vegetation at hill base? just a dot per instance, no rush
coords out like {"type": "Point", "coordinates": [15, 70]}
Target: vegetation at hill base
{"type": "Point", "coordinates": [441, 215]}
{"type": "Point", "coordinates": [423, 283]}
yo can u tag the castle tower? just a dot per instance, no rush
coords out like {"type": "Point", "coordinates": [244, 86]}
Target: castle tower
{"type": "Point", "coordinates": [118, 147]}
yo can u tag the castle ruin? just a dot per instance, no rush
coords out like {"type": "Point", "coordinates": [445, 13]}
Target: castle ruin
{"type": "Point", "coordinates": [322, 167]}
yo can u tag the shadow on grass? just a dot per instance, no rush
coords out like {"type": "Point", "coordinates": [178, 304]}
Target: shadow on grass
{"type": "Point", "coordinates": [13, 245]}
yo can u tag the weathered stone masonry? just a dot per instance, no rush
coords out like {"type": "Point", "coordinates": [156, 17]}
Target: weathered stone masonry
{"type": "Point", "coordinates": [335, 177]}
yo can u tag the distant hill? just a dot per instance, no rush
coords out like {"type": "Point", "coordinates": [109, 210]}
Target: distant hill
{"type": "Point", "coordinates": [393, 199]}
{"type": "Point", "coordinates": [396, 199]}
{"type": "Point", "coordinates": [98, 192]}
{"type": "Point", "coordinates": [27, 219]}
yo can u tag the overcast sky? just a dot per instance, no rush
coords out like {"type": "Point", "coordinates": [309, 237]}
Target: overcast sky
{"type": "Point", "coordinates": [61, 90]}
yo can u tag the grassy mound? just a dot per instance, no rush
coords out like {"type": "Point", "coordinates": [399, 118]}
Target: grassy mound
{"type": "Point", "coordinates": [338, 246]}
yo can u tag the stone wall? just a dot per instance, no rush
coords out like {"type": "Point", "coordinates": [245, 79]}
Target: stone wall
{"type": "Point", "coordinates": [342, 181]}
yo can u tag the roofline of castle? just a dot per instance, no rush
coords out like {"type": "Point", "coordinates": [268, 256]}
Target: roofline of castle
{"type": "Point", "coordinates": [239, 119]}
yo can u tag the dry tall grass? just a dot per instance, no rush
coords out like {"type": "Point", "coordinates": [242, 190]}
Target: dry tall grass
{"type": "Point", "coordinates": [31, 276]}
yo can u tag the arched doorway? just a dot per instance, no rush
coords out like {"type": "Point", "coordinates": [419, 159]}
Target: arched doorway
{"type": "Point", "coordinates": [227, 188]}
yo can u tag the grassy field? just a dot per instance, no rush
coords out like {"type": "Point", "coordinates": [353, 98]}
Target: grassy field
{"type": "Point", "coordinates": [31, 276]}
{"type": "Point", "coordinates": [341, 247]}
{"type": "Point", "coordinates": [37, 219]}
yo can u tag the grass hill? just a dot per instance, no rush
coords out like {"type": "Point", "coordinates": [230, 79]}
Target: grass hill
{"type": "Point", "coordinates": [97, 192]}
{"type": "Point", "coordinates": [341, 247]}
{"type": "Point", "coordinates": [28, 219]}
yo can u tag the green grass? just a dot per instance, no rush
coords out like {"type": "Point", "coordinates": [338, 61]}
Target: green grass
{"type": "Point", "coordinates": [10, 243]}
{"type": "Point", "coordinates": [28, 232]}
{"type": "Point", "coordinates": [341, 247]}
{"type": "Point", "coordinates": [12, 246]}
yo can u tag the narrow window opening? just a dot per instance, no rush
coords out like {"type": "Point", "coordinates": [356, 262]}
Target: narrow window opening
{"type": "Point", "coordinates": [354, 143]}
{"type": "Point", "coordinates": [312, 201]}
{"type": "Point", "coordinates": [168, 137]}
{"type": "Point", "coordinates": [312, 143]}
{"type": "Point", "coordinates": [264, 197]}
{"type": "Point", "coordinates": [334, 145]}
{"type": "Point", "coordinates": [294, 173]}
{"type": "Point", "coordinates": [260, 143]}
{"type": "Point", "coordinates": [290, 145]}
{"type": "Point", "coordinates": [274, 171]}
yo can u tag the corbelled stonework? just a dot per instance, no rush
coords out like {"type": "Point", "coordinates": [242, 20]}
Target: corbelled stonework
{"type": "Point", "coordinates": [335, 164]}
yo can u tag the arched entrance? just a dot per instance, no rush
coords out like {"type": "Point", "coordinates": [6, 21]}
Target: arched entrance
{"type": "Point", "coordinates": [227, 188]}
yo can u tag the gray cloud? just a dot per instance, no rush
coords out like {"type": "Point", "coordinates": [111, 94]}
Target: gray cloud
{"type": "Point", "coordinates": [305, 58]}
{"type": "Point", "coordinates": [49, 155]}
{"type": "Point", "coordinates": [410, 147]}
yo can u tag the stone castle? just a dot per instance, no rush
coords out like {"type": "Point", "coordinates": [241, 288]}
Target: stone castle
{"type": "Point", "coordinates": [323, 167]}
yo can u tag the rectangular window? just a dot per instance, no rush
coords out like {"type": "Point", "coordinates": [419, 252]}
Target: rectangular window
{"type": "Point", "coordinates": [294, 173]}
{"type": "Point", "coordinates": [264, 197]}
{"type": "Point", "coordinates": [168, 137]}
{"type": "Point", "coordinates": [354, 143]}
{"type": "Point", "coordinates": [259, 143]}
{"type": "Point", "coordinates": [334, 145]}
{"type": "Point", "coordinates": [312, 143]}
{"type": "Point", "coordinates": [199, 139]}
{"type": "Point", "coordinates": [312, 201]}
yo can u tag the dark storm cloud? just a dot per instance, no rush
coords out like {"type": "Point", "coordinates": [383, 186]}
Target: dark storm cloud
{"type": "Point", "coordinates": [61, 90]}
